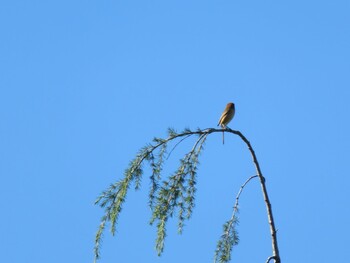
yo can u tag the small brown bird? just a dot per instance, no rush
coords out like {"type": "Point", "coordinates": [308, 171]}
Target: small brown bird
{"type": "Point", "coordinates": [226, 117]}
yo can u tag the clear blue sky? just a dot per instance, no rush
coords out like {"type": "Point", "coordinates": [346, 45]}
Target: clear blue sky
{"type": "Point", "coordinates": [85, 84]}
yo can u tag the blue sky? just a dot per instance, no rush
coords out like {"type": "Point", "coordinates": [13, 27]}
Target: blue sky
{"type": "Point", "coordinates": [85, 84]}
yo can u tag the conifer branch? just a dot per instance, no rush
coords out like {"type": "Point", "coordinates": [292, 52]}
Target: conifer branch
{"type": "Point", "coordinates": [177, 194]}
{"type": "Point", "coordinates": [230, 236]}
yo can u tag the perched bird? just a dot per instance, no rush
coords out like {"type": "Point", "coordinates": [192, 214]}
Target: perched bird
{"type": "Point", "coordinates": [226, 117]}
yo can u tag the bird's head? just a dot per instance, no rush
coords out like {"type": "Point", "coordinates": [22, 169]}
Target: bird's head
{"type": "Point", "coordinates": [230, 105]}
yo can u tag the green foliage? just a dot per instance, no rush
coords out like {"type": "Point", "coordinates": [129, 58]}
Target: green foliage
{"type": "Point", "coordinates": [156, 164]}
{"type": "Point", "coordinates": [228, 239]}
{"type": "Point", "coordinates": [177, 194]}
{"type": "Point", "coordinates": [113, 198]}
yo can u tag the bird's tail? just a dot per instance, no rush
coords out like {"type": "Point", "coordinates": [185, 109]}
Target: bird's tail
{"type": "Point", "coordinates": [223, 137]}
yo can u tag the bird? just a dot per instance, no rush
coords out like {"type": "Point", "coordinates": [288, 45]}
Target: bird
{"type": "Point", "coordinates": [226, 117]}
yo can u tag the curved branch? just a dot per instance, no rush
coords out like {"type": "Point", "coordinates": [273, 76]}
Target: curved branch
{"type": "Point", "coordinates": [230, 237]}
{"type": "Point", "coordinates": [235, 207]}
{"type": "Point", "coordinates": [273, 230]}
{"type": "Point", "coordinates": [114, 197]}
{"type": "Point", "coordinates": [240, 191]}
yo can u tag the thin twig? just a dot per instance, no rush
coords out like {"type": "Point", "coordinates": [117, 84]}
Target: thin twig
{"type": "Point", "coordinates": [235, 207]}
{"type": "Point", "coordinates": [240, 191]}
{"type": "Point", "coordinates": [177, 145]}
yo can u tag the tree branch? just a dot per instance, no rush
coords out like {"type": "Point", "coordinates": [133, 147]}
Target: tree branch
{"type": "Point", "coordinates": [230, 236]}
{"type": "Point", "coordinates": [177, 187]}
{"type": "Point", "coordinates": [271, 221]}
{"type": "Point", "coordinates": [235, 208]}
